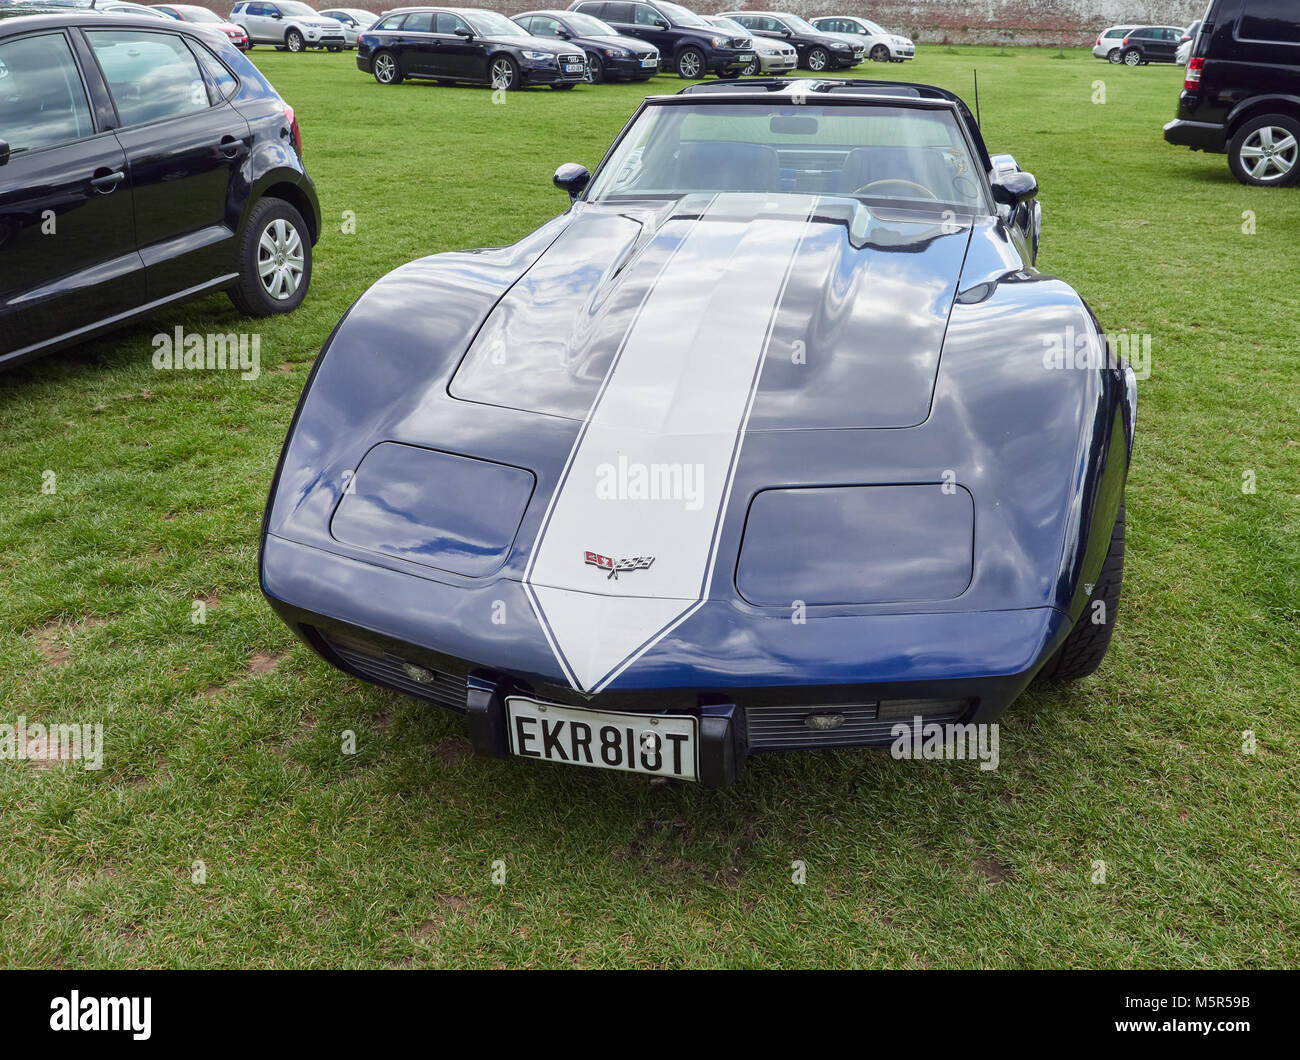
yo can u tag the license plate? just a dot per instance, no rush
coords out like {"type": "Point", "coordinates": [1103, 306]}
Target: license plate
{"type": "Point", "coordinates": [573, 68]}
{"type": "Point", "coordinates": [649, 62]}
{"type": "Point", "coordinates": [744, 58]}
{"type": "Point", "coordinates": [661, 745]}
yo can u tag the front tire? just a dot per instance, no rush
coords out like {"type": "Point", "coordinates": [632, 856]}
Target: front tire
{"type": "Point", "coordinates": [1114, 56]}
{"type": "Point", "coordinates": [1132, 57]}
{"type": "Point", "coordinates": [504, 73]}
{"type": "Point", "coordinates": [818, 60]}
{"type": "Point", "coordinates": [690, 64]}
{"type": "Point", "coordinates": [386, 68]}
{"type": "Point", "coordinates": [563, 88]}
{"type": "Point", "coordinates": [274, 260]}
{"type": "Point", "coordinates": [751, 69]}
{"type": "Point", "coordinates": [1265, 151]}
{"type": "Point", "coordinates": [293, 41]}
{"type": "Point", "coordinates": [729, 75]}
{"type": "Point", "coordinates": [595, 69]}
{"type": "Point", "coordinates": [1083, 649]}
{"type": "Point", "coordinates": [880, 54]}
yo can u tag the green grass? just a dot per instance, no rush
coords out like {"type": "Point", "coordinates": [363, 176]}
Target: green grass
{"type": "Point", "coordinates": [314, 858]}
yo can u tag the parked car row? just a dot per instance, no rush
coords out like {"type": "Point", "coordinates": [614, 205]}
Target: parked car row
{"type": "Point", "coordinates": [1138, 45]}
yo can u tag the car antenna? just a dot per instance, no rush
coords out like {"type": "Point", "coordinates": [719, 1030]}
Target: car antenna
{"type": "Point", "coordinates": [976, 74]}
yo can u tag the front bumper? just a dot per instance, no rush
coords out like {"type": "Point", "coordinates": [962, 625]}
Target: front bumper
{"type": "Point", "coordinates": [629, 66]}
{"type": "Point", "coordinates": [421, 637]}
{"type": "Point", "coordinates": [727, 61]}
{"type": "Point", "coordinates": [550, 75]}
{"type": "Point", "coordinates": [777, 64]}
{"type": "Point", "coordinates": [1198, 135]}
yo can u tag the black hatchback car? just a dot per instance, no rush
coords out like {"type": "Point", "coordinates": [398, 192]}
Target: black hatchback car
{"type": "Point", "coordinates": [1242, 90]}
{"type": "Point", "coordinates": [143, 163]}
{"type": "Point", "coordinates": [465, 44]}
{"type": "Point", "coordinates": [610, 55]}
{"type": "Point", "coordinates": [1151, 44]}
{"type": "Point", "coordinates": [818, 50]}
{"type": "Point", "coordinates": [689, 45]}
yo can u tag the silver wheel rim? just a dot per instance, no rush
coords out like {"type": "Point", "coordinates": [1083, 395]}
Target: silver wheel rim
{"type": "Point", "coordinates": [590, 75]}
{"type": "Point", "coordinates": [1269, 153]}
{"type": "Point", "coordinates": [689, 65]}
{"type": "Point", "coordinates": [1132, 59]}
{"type": "Point", "coordinates": [295, 42]}
{"type": "Point", "coordinates": [385, 68]}
{"type": "Point", "coordinates": [1113, 56]}
{"type": "Point", "coordinates": [280, 259]}
{"type": "Point", "coordinates": [817, 61]}
{"type": "Point", "coordinates": [749, 70]}
{"type": "Point", "coordinates": [502, 73]}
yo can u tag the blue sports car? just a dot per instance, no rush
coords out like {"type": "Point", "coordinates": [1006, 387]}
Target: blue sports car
{"type": "Point", "coordinates": [773, 439]}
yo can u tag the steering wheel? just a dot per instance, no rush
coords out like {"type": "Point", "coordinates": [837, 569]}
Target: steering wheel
{"type": "Point", "coordinates": [910, 185]}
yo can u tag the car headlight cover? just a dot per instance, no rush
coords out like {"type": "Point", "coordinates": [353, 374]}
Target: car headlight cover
{"type": "Point", "coordinates": [537, 57]}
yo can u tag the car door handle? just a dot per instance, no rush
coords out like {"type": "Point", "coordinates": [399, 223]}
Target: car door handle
{"type": "Point", "coordinates": [232, 147]}
{"type": "Point", "coordinates": [105, 181]}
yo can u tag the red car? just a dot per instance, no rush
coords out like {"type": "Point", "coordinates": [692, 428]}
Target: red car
{"type": "Point", "coordinates": [201, 16]}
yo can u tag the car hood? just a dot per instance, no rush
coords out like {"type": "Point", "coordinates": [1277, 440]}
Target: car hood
{"type": "Point", "coordinates": [830, 295]}
{"type": "Point", "coordinates": [632, 44]}
{"type": "Point", "coordinates": [536, 44]}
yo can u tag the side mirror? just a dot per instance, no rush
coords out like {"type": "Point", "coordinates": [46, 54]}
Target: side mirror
{"type": "Point", "coordinates": [4, 152]}
{"type": "Point", "coordinates": [564, 34]}
{"type": "Point", "coordinates": [661, 23]}
{"type": "Point", "coordinates": [461, 31]}
{"type": "Point", "coordinates": [572, 178]}
{"type": "Point", "coordinates": [1011, 189]}
{"type": "Point", "coordinates": [276, 15]}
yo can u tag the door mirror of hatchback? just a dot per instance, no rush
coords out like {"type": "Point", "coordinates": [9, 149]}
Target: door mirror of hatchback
{"type": "Point", "coordinates": [461, 31]}
{"type": "Point", "coordinates": [1011, 189]}
{"type": "Point", "coordinates": [572, 178]}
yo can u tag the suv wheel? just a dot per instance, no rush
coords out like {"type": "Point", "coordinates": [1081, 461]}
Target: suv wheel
{"type": "Point", "coordinates": [595, 69]}
{"type": "Point", "coordinates": [1083, 649]}
{"type": "Point", "coordinates": [387, 70]}
{"type": "Point", "coordinates": [1114, 56]}
{"type": "Point", "coordinates": [1266, 151]}
{"type": "Point", "coordinates": [1132, 57]}
{"type": "Point", "coordinates": [274, 260]}
{"type": "Point", "coordinates": [880, 54]}
{"type": "Point", "coordinates": [293, 40]}
{"type": "Point", "coordinates": [690, 64]}
{"type": "Point", "coordinates": [818, 59]}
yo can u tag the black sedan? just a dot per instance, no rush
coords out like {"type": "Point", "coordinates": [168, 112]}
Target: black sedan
{"type": "Point", "coordinates": [465, 44]}
{"type": "Point", "coordinates": [610, 55]}
{"type": "Point", "coordinates": [143, 162]}
{"type": "Point", "coordinates": [818, 50]}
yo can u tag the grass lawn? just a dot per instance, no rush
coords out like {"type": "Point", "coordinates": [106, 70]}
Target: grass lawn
{"type": "Point", "coordinates": [222, 740]}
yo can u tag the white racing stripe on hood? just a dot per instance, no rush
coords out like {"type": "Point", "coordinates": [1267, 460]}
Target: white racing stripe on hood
{"type": "Point", "coordinates": [676, 400]}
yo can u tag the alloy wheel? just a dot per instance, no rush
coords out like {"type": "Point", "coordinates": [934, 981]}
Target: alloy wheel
{"type": "Point", "coordinates": [280, 259]}
{"type": "Point", "coordinates": [1269, 153]}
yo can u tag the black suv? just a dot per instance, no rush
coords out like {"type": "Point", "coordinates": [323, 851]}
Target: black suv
{"type": "Point", "coordinates": [817, 49]}
{"type": "Point", "coordinates": [1151, 44]}
{"type": "Point", "coordinates": [687, 43]}
{"type": "Point", "coordinates": [143, 163]}
{"type": "Point", "coordinates": [1242, 92]}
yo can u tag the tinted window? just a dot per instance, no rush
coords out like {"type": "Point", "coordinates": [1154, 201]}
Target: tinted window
{"type": "Point", "coordinates": [150, 75]}
{"type": "Point", "coordinates": [217, 73]}
{"type": "Point", "coordinates": [611, 12]}
{"type": "Point", "coordinates": [391, 22]}
{"type": "Point", "coordinates": [420, 22]}
{"type": "Point", "coordinates": [43, 98]}
{"type": "Point", "coordinates": [447, 23]}
{"type": "Point", "coordinates": [543, 26]}
{"type": "Point", "coordinates": [647, 16]}
{"type": "Point", "coordinates": [1273, 20]}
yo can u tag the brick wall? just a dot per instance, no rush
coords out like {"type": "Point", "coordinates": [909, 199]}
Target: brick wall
{"type": "Point", "coordinates": [1042, 22]}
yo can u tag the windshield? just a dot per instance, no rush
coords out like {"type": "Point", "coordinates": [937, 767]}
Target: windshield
{"type": "Point", "coordinates": [491, 24]}
{"type": "Point", "coordinates": [799, 25]}
{"type": "Point", "coordinates": [589, 26]}
{"type": "Point", "coordinates": [730, 26]}
{"type": "Point", "coordinates": [295, 9]}
{"type": "Point", "coordinates": [199, 14]}
{"type": "Point", "coordinates": [681, 17]}
{"type": "Point", "coordinates": [882, 153]}
{"type": "Point", "coordinates": [874, 28]}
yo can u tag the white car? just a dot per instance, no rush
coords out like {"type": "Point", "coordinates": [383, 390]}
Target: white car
{"type": "Point", "coordinates": [878, 43]}
{"type": "Point", "coordinates": [770, 56]}
{"type": "Point", "coordinates": [355, 21]}
{"type": "Point", "coordinates": [1109, 41]}
{"type": "Point", "coordinates": [288, 24]}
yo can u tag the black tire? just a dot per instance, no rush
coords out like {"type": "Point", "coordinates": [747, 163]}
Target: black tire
{"type": "Point", "coordinates": [564, 88]}
{"type": "Point", "coordinates": [334, 47]}
{"type": "Point", "coordinates": [252, 295]}
{"type": "Point", "coordinates": [1114, 57]}
{"type": "Point", "coordinates": [1270, 143]}
{"type": "Point", "coordinates": [880, 54]}
{"type": "Point", "coordinates": [1133, 57]}
{"type": "Point", "coordinates": [387, 68]}
{"type": "Point", "coordinates": [293, 41]}
{"type": "Point", "coordinates": [595, 69]}
{"type": "Point", "coordinates": [1082, 651]}
{"type": "Point", "coordinates": [503, 72]}
{"type": "Point", "coordinates": [729, 75]}
{"type": "Point", "coordinates": [751, 69]}
{"type": "Point", "coordinates": [818, 60]}
{"type": "Point", "coordinates": [690, 65]}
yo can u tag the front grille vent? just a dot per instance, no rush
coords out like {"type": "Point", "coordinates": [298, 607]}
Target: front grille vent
{"type": "Point", "coordinates": [785, 728]}
{"type": "Point", "coordinates": [385, 668]}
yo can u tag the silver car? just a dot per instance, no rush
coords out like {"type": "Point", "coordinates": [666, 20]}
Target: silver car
{"type": "Point", "coordinates": [355, 21]}
{"type": "Point", "coordinates": [770, 56]}
{"type": "Point", "coordinates": [1109, 43]}
{"type": "Point", "coordinates": [880, 45]}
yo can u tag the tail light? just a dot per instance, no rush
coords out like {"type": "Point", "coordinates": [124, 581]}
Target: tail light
{"type": "Point", "coordinates": [1124, 43]}
{"type": "Point", "coordinates": [1192, 83]}
{"type": "Point", "coordinates": [294, 131]}
{"type": "Point", "coordinates": [1099, 36]}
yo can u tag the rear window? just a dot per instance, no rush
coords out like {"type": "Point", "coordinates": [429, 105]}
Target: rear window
{"type": "Point", "coordinates": [151, 76]}
{"type": "Point", "coordinates": [44, 101]}
{"type": "Point", "coordinates": [1270, 20]}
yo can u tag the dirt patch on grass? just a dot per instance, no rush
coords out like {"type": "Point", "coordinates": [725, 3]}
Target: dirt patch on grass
{"type": "Point", "coordinates": [452, 749]}
{"type": "Point", "coordinates": [992, 870]}
{"type": "Point", "coordinates": [49, 638]}
{"type": "Point", "coordinates": [259, 664]}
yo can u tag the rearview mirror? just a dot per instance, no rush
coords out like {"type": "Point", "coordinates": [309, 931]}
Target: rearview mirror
{"type": "Point", "coordinates": [1011, 189]}
{"type": "Point", "coordinates": [4, 152]}
{"type": "Point", "coordinates": [572, 178]}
